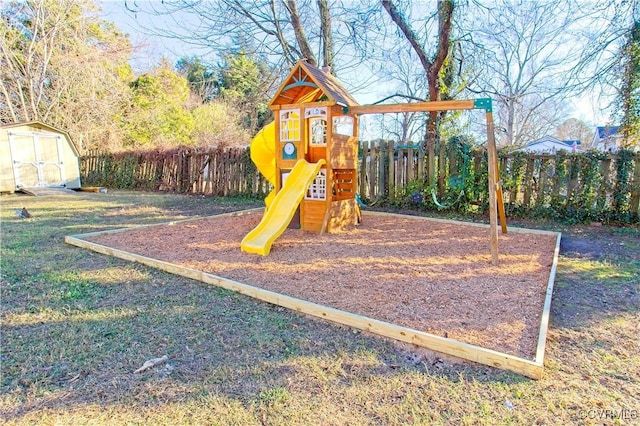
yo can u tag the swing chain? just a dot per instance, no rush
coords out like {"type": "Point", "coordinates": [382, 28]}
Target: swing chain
{"type": "Point", "coordinates": [455, 180]}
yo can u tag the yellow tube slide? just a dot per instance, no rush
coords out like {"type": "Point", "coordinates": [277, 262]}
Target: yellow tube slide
{"type": "Point", "coordinates": [263, 155]}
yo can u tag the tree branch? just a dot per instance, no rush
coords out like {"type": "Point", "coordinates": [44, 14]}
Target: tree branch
{"type": "Point", "coordinates": [396, 16]}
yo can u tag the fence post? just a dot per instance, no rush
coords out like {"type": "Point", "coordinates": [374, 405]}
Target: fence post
{"type": "Point", "coordinates": [421, 175]}
{"type": "Point", "coordinates": [372, 170]}
{"type": "Point", "coordinates": [527, 181]}
{"type": "Point", "coordinates": [635, 186]}
{"type": "Point", "coordinates": [363, 169]}
{"type": "Point", "coordinates": [540, 198]}
{"type": "Point", "coordinates": [410, 165]}
{"type": "Point", "coordinates": [442, 163]}
{"type": "Point", "coordinates": [379, 170]}
{"type": "Point", "coordinates": [391, 183]}
{"type": "Point", "coordinates": [574, 172]}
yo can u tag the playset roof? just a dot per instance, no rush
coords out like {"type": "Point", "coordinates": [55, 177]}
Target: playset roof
{"type": "Point", "coordinates": [306, 83]}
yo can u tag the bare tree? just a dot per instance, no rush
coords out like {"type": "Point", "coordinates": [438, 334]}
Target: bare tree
{"type": "Point", "coordinates": [298, 30]}
{"type": "Point", "coordinates": [27, 49]}
{"type": "Point", "coordinates": [606, 25]}
{"type": "Point", "coordinates": [431, 63]}
{"type": "Point", "coordinates": [62, 65]}
{"type": "Point", "coordinates": [524, 55]}
{"type": "Point", "coordinates": [406, 82]}
{"type": "Point", "coordinates": [628, 96]}
{"type": "Point", "coordinates": [327, 36]}
{"type": "Point", "coordinates": [279, 30]}
{"type": "Point", "coordinates": [574, 129]}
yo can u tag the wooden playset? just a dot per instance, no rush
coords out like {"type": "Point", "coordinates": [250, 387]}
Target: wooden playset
{"type": "Point", "coordinates": [314, 141]}
{"type": "Point", "coordinates": [312, 124]}
{"type": "Point", "coordinates": [313, 145]}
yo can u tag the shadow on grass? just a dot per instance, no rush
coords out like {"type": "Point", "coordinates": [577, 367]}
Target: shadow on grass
{"type": "Point", "coordinates": [82, 348]}
{"type": "Point", "coordinates": [75, 324]}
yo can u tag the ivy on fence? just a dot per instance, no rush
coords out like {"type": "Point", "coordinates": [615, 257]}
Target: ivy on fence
{"type": "Point", "coordinates": [215, 172]}
{"type": "Point", "coordinates": [573, 187]}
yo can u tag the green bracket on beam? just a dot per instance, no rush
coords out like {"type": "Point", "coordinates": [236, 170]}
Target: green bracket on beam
{"type": "Point", "coordinates": [484, 103]}
{"type": "Point", "coordinates": [345, 110]}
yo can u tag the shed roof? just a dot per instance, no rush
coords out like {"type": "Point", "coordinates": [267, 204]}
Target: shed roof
{"type": "Point", "coordinates": [304, 79]}
{"type": "Point", "coordinates": [42, 126]}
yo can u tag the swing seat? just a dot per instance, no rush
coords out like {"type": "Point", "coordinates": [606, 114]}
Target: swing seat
{"type": "Point", "coordinates": [456, 182]}
{"type": "Point", "coordinates": [441, 206]}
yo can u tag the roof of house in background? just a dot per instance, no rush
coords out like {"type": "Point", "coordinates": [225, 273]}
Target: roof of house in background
{"type": "Point", "coordinates": [549, 144]}
{"type": "Point", "coordinates": [604, 132]}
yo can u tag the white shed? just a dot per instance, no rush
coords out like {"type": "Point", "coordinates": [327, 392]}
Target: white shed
{"type": "Point", "coordinates": [36, 155]}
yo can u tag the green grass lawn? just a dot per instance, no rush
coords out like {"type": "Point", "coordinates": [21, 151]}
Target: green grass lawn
{"type": "Point", "coordinates": [76, 324]}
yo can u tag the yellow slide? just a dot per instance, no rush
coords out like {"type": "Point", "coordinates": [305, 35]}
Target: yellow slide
{"type": "Point", "coordinates": [282, 208]}
{"type": "Point", "coordinates": [263, 155]}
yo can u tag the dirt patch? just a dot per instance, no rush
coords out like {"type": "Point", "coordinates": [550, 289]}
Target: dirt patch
{"type": "Point", "coordinates": [431, 276]}
{"type": "Point", "coordinates": [600, 243]}
{"type": "Point", "coordinates": [584, 298]}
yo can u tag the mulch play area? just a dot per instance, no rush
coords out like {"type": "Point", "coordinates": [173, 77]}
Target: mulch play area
{"type": "Point", "coordinates": [425, 281]}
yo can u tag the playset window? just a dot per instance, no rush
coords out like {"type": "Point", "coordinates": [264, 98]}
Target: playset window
{"type": "Point", "coordinates": [315, 112]}
{"type": "Point", "coordinates": [289, 125]}
{"type": "Point", "coordinates": [343, 125]}
{"type": "Point", "coordinates": [318, 132]}
{"type": "Point", "coordinates": [318, 188]}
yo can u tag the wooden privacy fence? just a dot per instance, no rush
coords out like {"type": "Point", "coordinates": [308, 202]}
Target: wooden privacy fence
{"type": "Point", "coordinates": [580, 187]}
{"type": "Point", "coordinates": [214, 172]}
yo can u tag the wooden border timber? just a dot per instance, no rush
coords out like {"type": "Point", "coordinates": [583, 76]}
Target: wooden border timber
{"type": "Point", "coordinates": [546, 310]}
{"type": "Point", "coordinates": [529, 368]}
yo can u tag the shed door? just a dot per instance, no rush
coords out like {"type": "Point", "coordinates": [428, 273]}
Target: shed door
{"type": "Point", "coordinates": [37, 159]}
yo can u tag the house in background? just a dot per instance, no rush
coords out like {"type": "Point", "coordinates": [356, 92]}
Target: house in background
{"type": "Point", "coordinates": [550, 145]}
{"type": "Point", "coordinates": [607, 138]}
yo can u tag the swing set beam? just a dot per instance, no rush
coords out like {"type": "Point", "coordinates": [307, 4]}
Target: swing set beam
{"type": "Point", "coordinates": [419, 106]}
{"type": "Point", "coordinates": [496, 203]}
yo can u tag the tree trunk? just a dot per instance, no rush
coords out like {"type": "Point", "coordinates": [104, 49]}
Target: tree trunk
{"type": "Point", "coordinates": [431, 68]}
{"type": "Point", "coordinates": [327, 39]}
{"type": "Point", "coordinates": [511, 121]}
{"type": "Point", "coordinates": [301, 37]}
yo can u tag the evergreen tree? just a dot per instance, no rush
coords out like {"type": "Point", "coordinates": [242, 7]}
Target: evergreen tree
{"type": "Point", "coordinates": [158, 115]}
{"type": "Point", "coordinates": [202, 80]}
{"type": "Point", "coordinates": [245, 83]}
